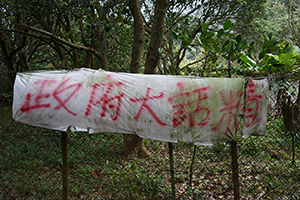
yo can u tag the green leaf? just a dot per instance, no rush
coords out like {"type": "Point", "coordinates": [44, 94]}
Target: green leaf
{"type": "Point", "coordinates": [229, 34]}
{"type": "Point", "coordinates": [183, 37]}
{"type": "Point", "coordinates": [243, 44]}
{"type": "Point", "coordinates": [208, 40]}
{"type": "Point", "coordinates": [210, 34]}
{"type": "Point", "coordinates": [233, 57]}
{"type": "Point", "coordinates": [261, 54]}
{"type": "Point", "coordinates": [270, 43]}
{"type": "Point", "coordinates": [207, 48]}
{"type": "Point", "coordinates": [260, 44]}
{"type": "Point", "coordinates": [247, 60]}
{"type": "Point", "coordinates": [220, 33]}
{"type": "Point", "coordinates": [186, 21]}
{"type": "Point", "coordinates": [202, 38]}
{"type": "Point", "coordinates": [229, 48]}
{"type": "Point", "coordinates": [174, 36]}
{"type": "Point", "coordinates": [204, 27]}
{"type": "Point", "coordinates": [275, 57]}
{"type": "Point", "coordinates": [233, 40]}
{"type": "Point", "coordinates": [225, 44]}
{"type": "Point", "coordinates": [225, 57]}
{"type": "Point", "coordinates": [287, 59]}
{"type": "Point", "coordinates": [186, 42]}
{"type": "Point", "coordinates": [270, 36]}
{"type": "Point", "coordinates": [189, 69]}
{"type": "Point", "coordinates": [227, 25]}
{"type": "Point", "coordinates": [217, 49]}
{"type": "Point", "coordinates": [214, 58]}
{"type": "Point", "coordinates": [238, 38]}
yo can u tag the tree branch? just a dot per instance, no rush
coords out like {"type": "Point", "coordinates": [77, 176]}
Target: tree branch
{"type": "Point", "coordinates": [58, 17]}
{"type": "Point", "coordinates": [195, 62]}
{"type": "Point", "coordinates": [54, 38]}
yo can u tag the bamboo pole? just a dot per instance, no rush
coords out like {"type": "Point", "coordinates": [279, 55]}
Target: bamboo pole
{"type": "Point", "coordinates": [172, 171]}
{"type": "Point", "coordinates": [65, 172]}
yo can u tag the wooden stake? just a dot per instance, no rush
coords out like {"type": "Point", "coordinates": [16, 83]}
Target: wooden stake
{"type": "Point", "coordinates": [65, 172]}
{"type": "Point", "coordinates": [235, 170]}
{"type": "Point", "coordinates": [234, 156]}
{"type": "Point", "coordinates": [191, 169]}
{"type": "Point", "coordinates": [172, 171]}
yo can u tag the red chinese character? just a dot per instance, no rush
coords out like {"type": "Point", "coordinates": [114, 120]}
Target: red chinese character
{"type": "Point", "coordinates": [198, 107]}
{"type": "Point", "coordinates": [59, 90]}
{"type": "Point", "coordinates": [26, 107]}
{"type": "Point", "coordinates": [251, 113]}
{"type": "Point", "coordinates": [182, 108]}
{"type": "Point", "coordinates": [147, 107]}
{"type": "Point", "coordinates": [105, 99]}
{"type": "Point", "coordinates": [230, 109]}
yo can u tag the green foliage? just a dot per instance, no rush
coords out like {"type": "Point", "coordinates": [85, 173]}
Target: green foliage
{"type": "Point", "coordinates": [274, 57]}
{"type": "Point", "coordinates": [137, 181]}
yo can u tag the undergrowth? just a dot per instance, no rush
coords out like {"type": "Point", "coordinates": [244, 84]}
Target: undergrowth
{"type": "Point", "coordinates": [30, 166]}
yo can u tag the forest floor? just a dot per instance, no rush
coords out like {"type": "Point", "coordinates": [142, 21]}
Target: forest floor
{"type": "Point", "coordinates": [31, 157]}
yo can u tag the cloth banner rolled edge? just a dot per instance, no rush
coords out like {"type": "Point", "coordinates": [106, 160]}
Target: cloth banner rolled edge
{"type": "Point", "coordinates": [159, 107]}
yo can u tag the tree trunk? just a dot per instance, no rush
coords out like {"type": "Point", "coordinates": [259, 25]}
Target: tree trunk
{"type": "Point", "coordinates": [88, 59]}
{"type": "Point", "coordinates": [102, 51]}
{"type": "Point", "coordinates": [9, 56]}
{"type": "Point", "coordinates": [23, 64]}
{"type": "Point", "coordinates": [10, 49]}
{"type": "Point", "coordinates": [291, 111]}
{"type": "Point", "coordinates": [8, 61]}
{"type": "Point", "coordinates": [157, 33]}
{"type": "Point", "coordinates": [73, 52]}
{"type": "Point", "coordinates": [57, 46]}
{"type": "Point", "coordinates": [133, 142]}
{"type": "Point", "coordinates": [291, 116]}
{"type": "Point", "coordinates": [21, 40]}
{"type": "Point", "coordinates": [138, 38]}
{"type": "Point", "coordinates": [98, 40]}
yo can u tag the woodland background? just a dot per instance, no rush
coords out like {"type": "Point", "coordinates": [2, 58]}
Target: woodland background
{"type": "Point", "coordinates": [206, 38]}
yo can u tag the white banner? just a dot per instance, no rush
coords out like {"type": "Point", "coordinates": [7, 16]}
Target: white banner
{"type": "Point", "coordinates": [256, 108]}
{"type": "Point", "coordinates": [160, 107]}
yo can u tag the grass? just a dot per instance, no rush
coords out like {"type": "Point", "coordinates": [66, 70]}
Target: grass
{"type": "Point", "coordinates": [30, 166]}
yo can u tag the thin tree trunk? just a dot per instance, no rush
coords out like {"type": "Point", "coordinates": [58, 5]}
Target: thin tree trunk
{"type": "Point", "coordinates": [157, 33]}
{"type": "Point", "coordinates": [133, 142]}
{"type": "Point", "coordinates": [102, 51]}
{"type": "Point", "coordinates": [138, 38]}
{"type": "Point", "coordinates": [57, 46]}
{"type": "Point", "coordinates": [88, 59]}
{"type": "Point", "coordinates": [23, 60]}
{"type": "Point", "coordinates": [8, 59]}
{"type": "Point", "coordinates": [234, 155]}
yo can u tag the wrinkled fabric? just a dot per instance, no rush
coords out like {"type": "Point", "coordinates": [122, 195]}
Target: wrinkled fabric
{"type": "Point", "coordinates": [256, 108]}
{"type": "Point", "coordinates": [159, 107]}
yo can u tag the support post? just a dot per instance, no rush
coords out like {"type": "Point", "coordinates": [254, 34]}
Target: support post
{"type": "Point", "coordinates": [172, 170]}
{"type": "Point", "coordinates": [234, 156]}
{"type": "Point", "coordinates": [192, 164]}
{"type": "Point", "coordinates": [65, 172]}
{"type": "Point", "coordinates": [235, 170]}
